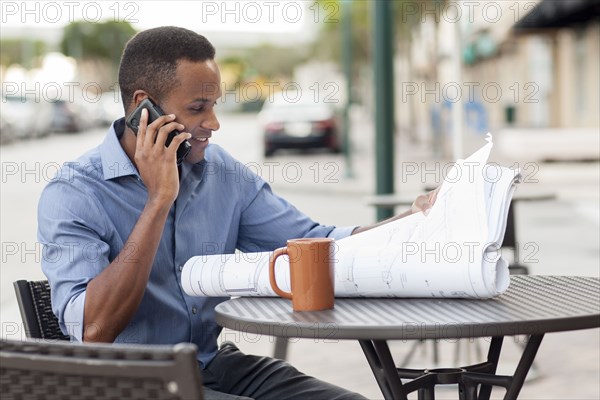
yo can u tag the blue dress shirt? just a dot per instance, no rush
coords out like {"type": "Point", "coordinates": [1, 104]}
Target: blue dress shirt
{"type": "Point", "coordinates": [88, 210]}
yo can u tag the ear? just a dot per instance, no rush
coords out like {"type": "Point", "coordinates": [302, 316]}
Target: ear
{"type": "Point", "coordinates": [137, 97]}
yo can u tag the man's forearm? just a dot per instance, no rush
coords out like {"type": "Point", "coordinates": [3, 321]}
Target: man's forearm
{"type": "Point", "coordinates": [113, 296]}
{"type": "Point", "coordinates": [422, 203]}
{"type": "Point", "coordinates": [395, 217]}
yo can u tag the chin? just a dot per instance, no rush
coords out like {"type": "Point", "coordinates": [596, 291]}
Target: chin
{"type": "Point", "coordinates": [194, 158]}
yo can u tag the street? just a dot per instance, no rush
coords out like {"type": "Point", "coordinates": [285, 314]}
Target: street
{"type": "Point", "coordinates": [558, 237]}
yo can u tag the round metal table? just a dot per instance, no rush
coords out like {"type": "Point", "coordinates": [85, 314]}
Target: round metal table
{"type": "Point", "coordinates": [532, 306]}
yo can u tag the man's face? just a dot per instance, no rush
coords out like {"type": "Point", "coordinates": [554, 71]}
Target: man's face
{"type": "Point", "coordinates": [193, 102]}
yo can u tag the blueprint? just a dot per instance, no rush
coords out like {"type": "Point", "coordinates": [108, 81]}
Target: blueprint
{"type": "Point", "coordinates": [453, 251]}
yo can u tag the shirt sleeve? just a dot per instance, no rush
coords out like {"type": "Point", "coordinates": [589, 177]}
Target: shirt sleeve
{"type": "Point", "coordinates": [269, 221]}
{"type": "Point", "coordinates": [70, 228]}
{"type": "Point", "coordinates": [342, 232]}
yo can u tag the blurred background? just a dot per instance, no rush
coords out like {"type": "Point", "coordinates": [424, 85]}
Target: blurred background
{"type": "Point", "coordinates": [333, 102]}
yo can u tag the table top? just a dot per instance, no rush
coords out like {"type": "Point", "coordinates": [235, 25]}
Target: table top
{"type": "Point", "coordinates": [533, 304]}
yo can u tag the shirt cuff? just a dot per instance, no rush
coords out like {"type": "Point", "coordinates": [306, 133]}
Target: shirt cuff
{"type": "Point", "coordinates": [73, 317]}
{"type": "Point", "coordinates": [341, 233]}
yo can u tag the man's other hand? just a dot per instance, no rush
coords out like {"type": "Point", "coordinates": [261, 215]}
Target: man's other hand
{"type": "Point", "coordinates": [425, 201]}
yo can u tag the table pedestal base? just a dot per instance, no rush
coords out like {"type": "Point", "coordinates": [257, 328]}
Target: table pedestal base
{"type": "Point", "coordinates": [474, 381]}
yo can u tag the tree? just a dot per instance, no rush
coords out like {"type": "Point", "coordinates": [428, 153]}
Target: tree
{"type": "Point", "coordinates": [20, 51]}
{"type": "Point", "coordinates": [103, 40]}
{"type": "Point", "coordinates": [272, 61]}
{"type": "Point", "coordinates": [407, 14]}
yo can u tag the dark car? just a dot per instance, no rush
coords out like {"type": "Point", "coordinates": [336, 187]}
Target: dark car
{"type": "Point", "coordinates": [299, 125]}
{"type": "Point", "coordinates": [64, 117]}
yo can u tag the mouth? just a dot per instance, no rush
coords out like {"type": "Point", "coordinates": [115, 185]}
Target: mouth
{"type": "Point", "coordinates": [201, 139]}
{"type": "Point", "coordinates": [200, 136]}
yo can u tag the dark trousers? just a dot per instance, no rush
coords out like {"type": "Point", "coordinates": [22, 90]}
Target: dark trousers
{"type": "Point", "coordinates": [235, 375]}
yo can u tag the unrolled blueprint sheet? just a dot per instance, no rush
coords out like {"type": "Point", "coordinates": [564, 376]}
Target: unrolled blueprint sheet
{"type": "Point", "coordinates": [451, 252]}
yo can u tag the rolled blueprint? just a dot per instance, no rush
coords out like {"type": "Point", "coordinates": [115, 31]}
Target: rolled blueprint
{"type": "Point", "coordinates": [453, 251]}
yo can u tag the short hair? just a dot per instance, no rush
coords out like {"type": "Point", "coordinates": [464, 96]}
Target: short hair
{"type": "Point", "coordinates": [150, 58]}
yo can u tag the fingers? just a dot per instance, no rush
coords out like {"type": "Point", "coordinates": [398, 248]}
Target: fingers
{"type": "Point", "coordinates": [178, 139]}
{"type": "Point", "coordinates": [141, 133]}
{"type": "Point", "coordinates": [153, 130]}
{"type": "Point", "coordinates": [154, 135]}
{"type": "Point", "coordinates": [426, 208]}
{"type": "Point", "coordinates": [151, 138]}
{"type": "Point", "coordinates": [421, 203]}
{"type": "Point", "coordinates": [425, 205]}
{"type": "Point", "coordinates": [433, 195]}
{"type": "Point", "coordinates": [165, 130]}
{"type": "Point", "coordinates": [425, 202]}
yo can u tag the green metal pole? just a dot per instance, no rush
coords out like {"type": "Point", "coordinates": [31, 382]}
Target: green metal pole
{"type": "Point", "coordinates": [347, 63]}
{"type": "Point", "coordinates": [383, 71]}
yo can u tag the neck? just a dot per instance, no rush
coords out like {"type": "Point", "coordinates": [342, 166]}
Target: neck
{"type": "Point", "coordinates": [128, 141]}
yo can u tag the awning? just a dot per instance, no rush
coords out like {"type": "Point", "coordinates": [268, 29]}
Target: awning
{"type": "Point", "coordinates": [558, 14]}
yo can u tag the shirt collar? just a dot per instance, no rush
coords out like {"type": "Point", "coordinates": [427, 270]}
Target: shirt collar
{"type": "Point", "coordinates": [194, 171]}
{"type": "Point", "coordinates": [115, 162]}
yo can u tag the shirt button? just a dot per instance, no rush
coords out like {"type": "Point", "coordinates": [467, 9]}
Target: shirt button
{"type": "Point", "coordinates": [181, 268]}
{"type": "Point", "coordinates": [194, 310]}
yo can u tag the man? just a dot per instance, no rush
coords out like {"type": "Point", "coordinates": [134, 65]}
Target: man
{"type": "Point", "coordinates": [120, 222]}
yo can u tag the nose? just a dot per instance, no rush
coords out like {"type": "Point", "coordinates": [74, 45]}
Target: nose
{"type": "Point", "coordinates": [212, 122]}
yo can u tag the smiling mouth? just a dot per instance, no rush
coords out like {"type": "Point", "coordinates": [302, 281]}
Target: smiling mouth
{"type": "Point", "coordinates": [201, 139]}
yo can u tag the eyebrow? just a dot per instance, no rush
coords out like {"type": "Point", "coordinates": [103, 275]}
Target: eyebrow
{"type": "Point", "coordinates": [205, 100]}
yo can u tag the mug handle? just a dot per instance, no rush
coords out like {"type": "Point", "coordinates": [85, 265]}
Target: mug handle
{"type": "Point", "coordinates": [279, 252]}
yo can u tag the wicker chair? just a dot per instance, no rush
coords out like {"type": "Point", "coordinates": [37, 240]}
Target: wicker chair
{"type": "Point", "coordinates": [58, 370]}
{"type": "Point", "coordinates": [36, 310]}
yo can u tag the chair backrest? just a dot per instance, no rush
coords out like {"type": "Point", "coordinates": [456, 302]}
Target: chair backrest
{"type": "Point", "coordinates": [36, 310]}
{"type": "Point", "coordinates": [53, 370]}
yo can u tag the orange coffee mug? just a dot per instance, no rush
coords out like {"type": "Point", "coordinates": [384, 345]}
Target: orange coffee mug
{"type": "Point", "coordinates": [311, 273]}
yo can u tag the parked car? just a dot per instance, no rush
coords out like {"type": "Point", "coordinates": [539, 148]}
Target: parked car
{"type": "Point", "coordinates": [64, 118]}
{"type": "Point", "coordinates": [24, 117]}
{"type": "Point", "coordinates": [299, 125]}
{"type": "Point", "coordinates": [6, 134]}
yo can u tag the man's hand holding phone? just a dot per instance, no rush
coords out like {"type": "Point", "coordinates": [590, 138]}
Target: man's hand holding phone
{"type": "Point", "coordinates": [157, 163]}
{"type": "Point", "coordinates": [154, 112]}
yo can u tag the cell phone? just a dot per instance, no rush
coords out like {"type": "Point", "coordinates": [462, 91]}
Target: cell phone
{"type": "Point", "coordinates": [154, 111]}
